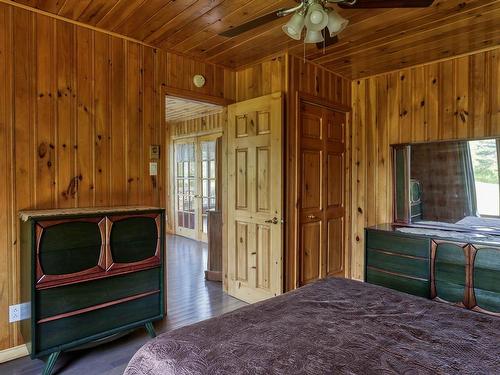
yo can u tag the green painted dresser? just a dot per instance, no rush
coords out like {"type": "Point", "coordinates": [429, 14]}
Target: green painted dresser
{"type": "Point", "coordinates": [463, 271]}
{"type": "Point", "coordinates": [89, 274]}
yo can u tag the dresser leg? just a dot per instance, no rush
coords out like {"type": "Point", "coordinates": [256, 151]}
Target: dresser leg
{"type": "Point", "coordinates": [49, 365]}
{"type": "Point", "coordinates": [150, 329]}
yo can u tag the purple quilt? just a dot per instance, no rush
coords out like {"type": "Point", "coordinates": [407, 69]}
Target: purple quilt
{"type": "Point", "coordinates": [334, 326]}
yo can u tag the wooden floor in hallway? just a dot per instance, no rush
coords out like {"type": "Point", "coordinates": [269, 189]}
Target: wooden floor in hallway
{"type": "Point", "coordinates": [190, 299]}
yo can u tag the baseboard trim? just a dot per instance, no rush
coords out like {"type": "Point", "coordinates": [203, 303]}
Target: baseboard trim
{"type": "Point", "coordinates": [13, 353]}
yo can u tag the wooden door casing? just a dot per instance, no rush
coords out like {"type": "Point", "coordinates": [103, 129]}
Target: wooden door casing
{"type": "Point", "coordinates": [321, 192]}
{"type": "Point", "coordinates": [255, 198]}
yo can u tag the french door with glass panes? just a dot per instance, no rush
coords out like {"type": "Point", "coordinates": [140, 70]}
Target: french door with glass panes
{"type": "Point", "coordinates": [195, 185]}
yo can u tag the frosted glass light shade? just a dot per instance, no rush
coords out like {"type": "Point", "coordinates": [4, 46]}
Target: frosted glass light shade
{"type": "Point", "coordinates": [314, 37]}
{"type": "Point", "coordinates": [336, 23]}
{"type": "Point", "coordinates": [316, 17]}
{"type": "Point", "coordinates": [293, 28]}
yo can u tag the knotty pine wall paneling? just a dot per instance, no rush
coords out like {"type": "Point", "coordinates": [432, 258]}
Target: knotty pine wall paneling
{"type": "Point", "coordinates": [454, 99]}
{"type": "Point", "coordinates": [78, 111]}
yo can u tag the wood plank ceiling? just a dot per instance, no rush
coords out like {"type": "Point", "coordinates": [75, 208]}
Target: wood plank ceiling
{"type": "Point", "coordinates": [178, 109]}
{"type": "Point", "coordinates": [376, 41]}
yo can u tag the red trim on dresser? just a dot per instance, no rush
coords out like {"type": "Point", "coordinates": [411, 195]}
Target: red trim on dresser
{"type": "Point", "coordinates": [135, 266]}
{"type": "Point", "coordinates": [44, 279]}
{"type": "Point", "coordinates": [106, 266]}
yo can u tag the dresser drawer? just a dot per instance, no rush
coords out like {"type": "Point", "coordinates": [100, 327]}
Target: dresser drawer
{"type": "Point", "coordinates": [401, 264]}
{"type": "Point", "coordinates": [75, 330]}
{"type": "Point", "coordinates": [404, 284]}
{"type": "Point", "coordinates": [400, 244]}
{"type": "Point", "coordinates": [64, 299]}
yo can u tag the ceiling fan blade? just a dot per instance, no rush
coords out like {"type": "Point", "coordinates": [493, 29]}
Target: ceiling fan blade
{"type": "Point", "coordinates": [329, 40]}
{"type": "Point", "coordinates": [387, 4]}
{"type": "Point", "coordinates": [247, 26]}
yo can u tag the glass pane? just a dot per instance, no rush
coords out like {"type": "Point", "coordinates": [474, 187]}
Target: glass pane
{"type": "Point", "coordinates": [204, 151]}
{"type": "Point", "coordinates": [180, 219]}
{"type": "Point", "coordinates": [205, 188]}
{"type": "Point", "coordinates": [191, 221]}
{"type": "Point", "coordinates": [211, 153]}
{"type": "Point", "coordinates": [204, 170]}
{"type": "Point", "coordinates": [192, 187]}
{"type": "Point", "coordinates": [186, 169]}
{"type": "Point", "coordinates": [180, 170]}
{"type": "Point", "coordinates": [192, 169]}
{"type": "Point", "coordinates": [212, 204]}
{"type": "Point", "coordinates": [212, 188]}
{"type": "Point", "coordinates": [205, 224]}
{"type": "Point", "coordinates": [212, 169]}
{"type": "Point", "coordinates": [191, 155]}
{"type": "Point", "coordinates": [205, 206]}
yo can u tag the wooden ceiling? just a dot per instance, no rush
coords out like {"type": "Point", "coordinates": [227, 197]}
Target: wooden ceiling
{"type": "Point", "coordinates": [376, 41]}
{"type": "Point", "coordinates": [178, 109]}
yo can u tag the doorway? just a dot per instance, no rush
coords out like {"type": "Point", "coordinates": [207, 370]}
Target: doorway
{"type": "Point", "coordinates": [195, 184]}
{"type": "Point", "coordinates": [196, 135]}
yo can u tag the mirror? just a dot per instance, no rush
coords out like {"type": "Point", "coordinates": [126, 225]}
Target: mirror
{"type": "Point", "coordinates": [448, 184]}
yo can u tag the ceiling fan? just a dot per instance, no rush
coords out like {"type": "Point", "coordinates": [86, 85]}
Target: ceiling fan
{"type": "Point", "coordinates": [316, 16]}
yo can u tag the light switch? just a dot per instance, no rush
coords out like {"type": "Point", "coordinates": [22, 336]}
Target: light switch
{"type": "Point", "coordinates": [153, 169]}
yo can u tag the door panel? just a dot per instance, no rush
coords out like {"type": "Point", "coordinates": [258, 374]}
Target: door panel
{"type": "Point", "coordinates": [321, 194]}
{"type": "Point", "coordinates": [263, 167]}
{"type": "Point", "coordinates": [335, 249]}
{"type": "Point", "coordinates": [311, 251]}
{"type": "Point", "coordinates": [335, 176]}
{"type": "Point", "coordinates": [255, 198]}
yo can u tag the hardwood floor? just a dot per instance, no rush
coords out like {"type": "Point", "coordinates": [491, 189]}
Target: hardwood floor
{"type": "Point", "coordinates": [190, 299]}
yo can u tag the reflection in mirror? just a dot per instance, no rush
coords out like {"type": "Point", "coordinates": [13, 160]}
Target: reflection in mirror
{"type": "Point", "coordinates": [449, 184]}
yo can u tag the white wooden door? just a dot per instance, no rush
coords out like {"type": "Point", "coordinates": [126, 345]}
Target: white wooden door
{"type": "Point", "coordinates": [255, 198]}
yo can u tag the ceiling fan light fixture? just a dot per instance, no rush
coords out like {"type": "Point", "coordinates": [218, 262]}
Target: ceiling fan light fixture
{"type": "Point", "coordinates": [336, 23]}
{"type": "Point", "coordinates": [313, 36]}
{"type": "Point", "coordinates": [316, 18]}
{"type": "Point", "coordinates": [294, 27]}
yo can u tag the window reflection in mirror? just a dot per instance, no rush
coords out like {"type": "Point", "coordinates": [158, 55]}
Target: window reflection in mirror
{"type": "Point", "coordinates": [453, 184]}
{"type": "Point", "coordinates": [484, 156]}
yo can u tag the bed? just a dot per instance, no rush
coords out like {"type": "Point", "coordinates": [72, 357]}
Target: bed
{"type": "Point", "coordinates": [334, 326]}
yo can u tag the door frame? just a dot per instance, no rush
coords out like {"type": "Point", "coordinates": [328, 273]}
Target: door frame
{"type": "Point", "coordinates": [292, 264]}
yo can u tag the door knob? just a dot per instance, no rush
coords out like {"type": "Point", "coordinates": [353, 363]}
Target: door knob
{"type": "Point", "coordinates": [274, 220]}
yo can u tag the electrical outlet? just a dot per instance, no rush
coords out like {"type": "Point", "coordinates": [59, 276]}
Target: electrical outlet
{"type": "Point", "coordinates": [19, 312]}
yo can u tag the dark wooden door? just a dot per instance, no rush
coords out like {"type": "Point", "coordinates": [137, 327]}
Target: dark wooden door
{"type": "Point", "coordinates": [321, 192]}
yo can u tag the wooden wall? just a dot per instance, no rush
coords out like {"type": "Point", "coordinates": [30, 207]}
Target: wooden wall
{"type": "Point", "coordinates": [78, 111]}
{"type": "Point", "coordinates": [455, 99]}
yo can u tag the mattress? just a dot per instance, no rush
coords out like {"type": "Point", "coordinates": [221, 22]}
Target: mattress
{"type": "Point", "coordinates": [334, 326]}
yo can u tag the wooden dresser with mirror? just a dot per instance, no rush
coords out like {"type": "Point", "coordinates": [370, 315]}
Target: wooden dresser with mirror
{"type": "Point", "coordinates": [444, 242]}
